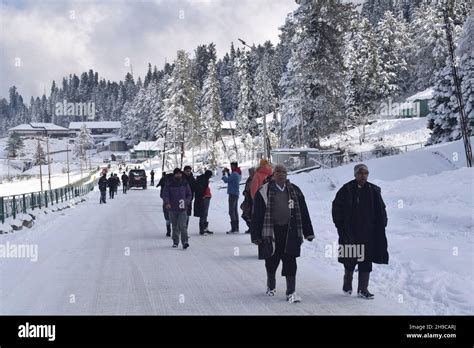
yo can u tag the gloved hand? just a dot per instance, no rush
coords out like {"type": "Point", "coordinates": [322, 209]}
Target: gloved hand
{"type": "Point", "coordinates": [257, 241]}
{"type": "Point", "coordinates": [309, 238]}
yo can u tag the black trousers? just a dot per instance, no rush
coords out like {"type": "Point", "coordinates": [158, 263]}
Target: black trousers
{"type": "Point", "coordinates": [124, 188]}
{"type": "Point", "coordinates": [365, 266]}
{"type": "Point", "coordinates": [289, 262]}
{"type": "Point", "coordinates": [167, 215]}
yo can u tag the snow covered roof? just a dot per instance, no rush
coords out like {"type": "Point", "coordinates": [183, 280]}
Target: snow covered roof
{"type": "Point", "coordinates": [424, 95]}
{"type": "Point", "coordinates": [149, 146]}
{"type": "Point", "coordinates": [269, 118]}
{"type": "Point", "coordinates": [111, 139]}
{"type": "Point", "coordinates": [38, 126]}
{"type": "Point", "coordinates": [228, 124]}
{"type": "Point", "coordinates": [96, 125]}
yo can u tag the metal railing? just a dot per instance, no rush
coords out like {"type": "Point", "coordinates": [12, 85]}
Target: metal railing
{"type": "Point", "coordinates": [12, 205]}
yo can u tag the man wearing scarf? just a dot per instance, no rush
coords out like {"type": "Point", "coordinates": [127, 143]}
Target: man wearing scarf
{"type": "Point", "coordinates": [280, 222]}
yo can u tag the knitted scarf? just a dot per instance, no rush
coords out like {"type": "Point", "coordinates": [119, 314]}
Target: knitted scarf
{"type": "Point", "coordinates": [269, 190]}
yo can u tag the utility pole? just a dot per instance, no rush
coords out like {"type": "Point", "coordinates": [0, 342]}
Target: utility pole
{"type": "Point", "coordinates": [41, 172]}
{"type": "Point", "coordinates": [67, 159]}
{"type": "Point", "coordinates": [49, 160]}
{"type": "Point", "coordinates": [457, 83]}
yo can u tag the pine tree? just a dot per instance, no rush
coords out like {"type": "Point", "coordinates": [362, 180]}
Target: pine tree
{"type": "Point", "coordinates": [211, 115]}
{"type": "Point", "coordinates": [83, 142]}
{"type": "Point", "coordinates": [466, 69]}
{"type": "Point", "coordinates": [444, 118]}
{"type": "Point", "coordinates": [246, 122]}
{"type": "Point", "coordinates": [392, 39]}
{"type": "Point", "coordinates": [312, 101]}
{"type": "Point", "coordinates": [40, 156]}
{"type": "Point", "coordinates": [374, 10]}
{"type": "Point", "coordinates": [364, 78]}
{"type": "Point", "coordinates": [180, 107]}
{"type": "Point", "coordinates": [429, 56]}
{"type": "Point", "coordinates": [264, 85]}
{"type": "Point", "coordinates": [14, 145]}
{"type": "Point", "coordinates": [148, 77]}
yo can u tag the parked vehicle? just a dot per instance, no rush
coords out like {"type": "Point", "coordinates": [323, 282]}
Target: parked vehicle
{"type": "Point", "coordinates": [137, 178]}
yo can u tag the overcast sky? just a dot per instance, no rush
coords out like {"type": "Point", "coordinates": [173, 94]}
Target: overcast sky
{"type": "Point", "coordinates": [50, 39]}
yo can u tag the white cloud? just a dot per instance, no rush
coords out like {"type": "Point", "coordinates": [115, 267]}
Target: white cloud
{"type": "Point", "coordinates": [103, 33]}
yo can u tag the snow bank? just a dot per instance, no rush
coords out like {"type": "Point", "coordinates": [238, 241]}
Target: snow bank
{"type": "Point", "coordinates": [429, 198]}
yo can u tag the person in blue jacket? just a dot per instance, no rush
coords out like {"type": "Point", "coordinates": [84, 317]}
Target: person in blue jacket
{"type": "Point", "coordinates": [233, 181]}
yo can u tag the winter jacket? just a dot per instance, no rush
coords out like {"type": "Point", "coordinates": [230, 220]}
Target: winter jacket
{"type": "Point", "coordinates": [177, 194]}
{"type": "Point", "coordinates": [125, 179]}
{"type": "Point", "coordinates": [246, 205]}
{"type": "Point", "coordinates": [202, 184]}
{"type": "Point", "coordinates": [293, 241]}
{"type": "Point", "coordinates": [191, 182]}
{"type": "Point", "coordinates": [232, 181]}
{"type": "Point", "coordinates": [261, 173]}
{"type": "Point", "coordinates": [112, 182]}
{"type": "Point", "coordinates": [361, 224]}
{"type": "Point", "coordinates": [103, 183]}
{"type": "Point", "coordinates": [163, 181]}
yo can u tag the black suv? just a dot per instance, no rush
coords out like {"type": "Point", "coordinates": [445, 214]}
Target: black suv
{"type": "Point", "coordinates": [137, 178]}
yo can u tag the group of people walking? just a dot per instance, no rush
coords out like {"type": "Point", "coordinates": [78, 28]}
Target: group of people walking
{"type": "Point", "coordinates": [278, 218]}
{"type": "Point", "coordinates": [178, 190]}
{"type": "Point", "coordinates": [112, 182]}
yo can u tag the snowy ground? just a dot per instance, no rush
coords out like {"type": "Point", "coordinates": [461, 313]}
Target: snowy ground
{"type": "Point", "coordinates": [83, 252]}
{"type": "Point", "coordinates": [389, 132]}
{"type": "Point", "coordinates": [28, 180]}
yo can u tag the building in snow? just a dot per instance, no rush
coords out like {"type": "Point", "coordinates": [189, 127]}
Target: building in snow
{"type": "Point", "coordinates": [228, 128]}
{"type": "Point", "coordinates": [416, 105]}
{"type": "Point", "coordinates": [100, 130]}
{"type": "Point", "coordinates": [147, 149]}
{"type": "Point", "coordinates": [33, 129]}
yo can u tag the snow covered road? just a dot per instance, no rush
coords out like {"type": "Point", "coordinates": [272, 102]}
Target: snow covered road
{"type": "Point", "coordinates": [115, 259]}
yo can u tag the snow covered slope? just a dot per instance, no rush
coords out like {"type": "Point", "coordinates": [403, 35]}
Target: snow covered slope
{"type": "Point", "coordinates": [429, 197]}
{"type": "Point", "coordinates": [390, 132]}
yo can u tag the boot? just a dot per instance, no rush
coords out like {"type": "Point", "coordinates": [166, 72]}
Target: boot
{"type": "Point", "coordinates": [168, 230]}
{"type": "Point", "coordinates": [347, 286]}
{"type": "Point", "coordinates": [271, 284]}
{"type": "Point", "coordinates": [362, 289]}
{"type": "Point", "coordinates": [206, 224]}
{"type": "Point", "coordinates": [201, 229]}
{"type": "Point", "coordinates": [232, 228]}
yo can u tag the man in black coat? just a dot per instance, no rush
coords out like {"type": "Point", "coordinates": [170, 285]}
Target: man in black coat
{"type": "Point", "coordinates": [152, 176]}
{"type": "Point", "coordinates": [112, 183]}
{"type": "Point", "coordinates": [124, 182]}
{"type": "Point", "coordinates": [103, 188]}
{"type": "Point", "coordinates": [358, 211]}
{"type": "Point", "coordinates": [188, 176]}
{"type": "Point", "coordinates": [117, 183]}
{"type": "Point", "coordinates": [202, 199]}
{"type": "Point", "coordinates": [280, 222]}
